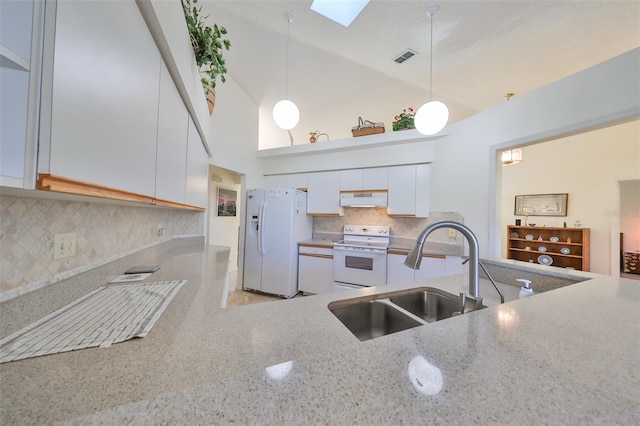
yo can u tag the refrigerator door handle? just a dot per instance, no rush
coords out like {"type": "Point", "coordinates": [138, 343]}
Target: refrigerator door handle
{"type": "Point", "coordinates": [262, 221]}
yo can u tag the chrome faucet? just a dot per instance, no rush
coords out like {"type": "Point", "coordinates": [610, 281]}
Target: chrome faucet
{"type": "Point", "coordinates": [468, 302]}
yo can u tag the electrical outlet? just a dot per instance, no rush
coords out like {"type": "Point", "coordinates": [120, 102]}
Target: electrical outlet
{"type": "Point", "coordinates": [452, 233]}
{"type": "Point", "coordinates": [64, 245]}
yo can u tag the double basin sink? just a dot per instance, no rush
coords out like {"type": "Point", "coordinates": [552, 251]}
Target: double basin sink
{"type": "Point", "coordinates": [374, 316]}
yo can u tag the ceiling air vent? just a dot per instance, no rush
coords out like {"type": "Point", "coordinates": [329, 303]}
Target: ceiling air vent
{"type": "Point", "coordinates": [407, 54]}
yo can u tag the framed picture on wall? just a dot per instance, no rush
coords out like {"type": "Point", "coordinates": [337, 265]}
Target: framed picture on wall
{"type": "Point", "coordinates": [227, 200]}
{"type": "Point", "coordinates": [541, 205]}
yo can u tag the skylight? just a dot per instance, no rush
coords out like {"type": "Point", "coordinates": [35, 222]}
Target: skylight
{"type": "Point", "coordinates": [341, 11]}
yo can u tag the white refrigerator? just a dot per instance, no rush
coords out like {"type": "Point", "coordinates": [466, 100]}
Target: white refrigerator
{"type": "Point", "coordinates": [276, 221]}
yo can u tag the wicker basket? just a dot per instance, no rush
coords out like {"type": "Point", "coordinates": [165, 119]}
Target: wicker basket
{"type": "Point", "coordinates": [366, 127]}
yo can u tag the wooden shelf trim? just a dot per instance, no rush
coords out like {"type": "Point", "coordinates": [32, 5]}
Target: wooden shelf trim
{"type": "Point", "coordinates": [47, 182]}
{"type": "Point", "coordinates": [549, 253]}
{"type": "Point", "coordinates": [322, 256]}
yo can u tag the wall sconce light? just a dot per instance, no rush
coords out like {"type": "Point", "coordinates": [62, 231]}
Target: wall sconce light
{"type": "Point", "coordinates": [285, 112]}
{"type": "Point", "coordinates": [511, 156]}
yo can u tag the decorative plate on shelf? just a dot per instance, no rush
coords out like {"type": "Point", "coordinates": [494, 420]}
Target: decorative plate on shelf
{"type": "Point", "coordinates": [514, 235]}
{"type": "Point", "coordinates": [529, 237]}
{"type": "Point", "coordinates": [565, 250]}
{"type": "Point", "coordinates": [545, 259]}
{"type": "Point", "coordinates": [554, 239]}
{"type": "Point", "coordinates": [542, 249]}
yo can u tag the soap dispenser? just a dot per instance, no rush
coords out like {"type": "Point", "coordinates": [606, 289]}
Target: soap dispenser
{"type": "Point", "coordinates": [526, 289]}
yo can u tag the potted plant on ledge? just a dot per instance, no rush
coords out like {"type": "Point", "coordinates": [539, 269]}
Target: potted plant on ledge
{"type": "Point", "coordinates": [404, 121]}
{"type": "Point", "coordinates": [208, 44]}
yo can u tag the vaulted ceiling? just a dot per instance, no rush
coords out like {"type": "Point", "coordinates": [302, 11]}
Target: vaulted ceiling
{"type": "Point", "coordinates": [482, 50]}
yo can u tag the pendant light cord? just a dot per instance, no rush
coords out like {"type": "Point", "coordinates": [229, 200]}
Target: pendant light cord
{"type": "Point", "coordinates": [431, 60]}
{"type": "Point", "coordinates": [286, 63]}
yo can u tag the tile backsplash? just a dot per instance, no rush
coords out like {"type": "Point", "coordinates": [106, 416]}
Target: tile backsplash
{"type": "Point", "coordinates": [104, 232]}
{"type": "Point", "coordinates": [406, 227]}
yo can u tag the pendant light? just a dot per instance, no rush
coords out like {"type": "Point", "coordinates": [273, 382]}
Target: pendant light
{"type": "Point", "coordinates": [432, 116]}
{"type": "Point", "coordinates": [285, 112]}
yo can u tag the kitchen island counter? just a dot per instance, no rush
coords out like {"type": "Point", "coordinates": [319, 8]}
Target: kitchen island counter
{"type": "Point", "coordinates": [568, 356]}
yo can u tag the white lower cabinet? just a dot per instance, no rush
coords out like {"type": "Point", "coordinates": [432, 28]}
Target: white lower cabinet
{"type": "Point", "coordinates": [397, 272]}
{"type": "Point", "coordinates": [315, 269]}
{"type": "Point", "coordinates": [432, 266]}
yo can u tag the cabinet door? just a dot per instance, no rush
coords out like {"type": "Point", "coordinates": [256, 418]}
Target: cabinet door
{"type": "Point", "coordinates": [453, 265]}
{"type": "Point", "coordinates": [315, 270]}
{"type": "Point", "coordinates": [275, 181]}
{"type": "Point", "coordinates": [397, 272]}
{"type": "Point", "coordinates": [351, 180]}
{"type": "Point", "coordinates": [297, 180]}
{"type": "Point", "coordinates": [375, 178]}
{"type": "Point", "coordinates": [173, 124]}
{"type": "Point", "coordinates": [409, 191]}
{"type": "Point", "coordinates": [402, 191]}
{"type": "Point", "coordinates": [197, 178]}
{"type": "Point", "coordinates": [432, 267]}
{"type": "Point", "coordinates": [105, 96]}
{"type": "Point", "coordinates": [20, 59]}
{"type": "Point", "coordinates": [324, 194]}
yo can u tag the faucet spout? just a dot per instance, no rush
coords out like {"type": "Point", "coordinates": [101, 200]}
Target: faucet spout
{"type": "Point", "coordinates": [415, 255]}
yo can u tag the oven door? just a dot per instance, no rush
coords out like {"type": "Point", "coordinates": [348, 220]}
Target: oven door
{"type": "Point", "coordinates": [364, 267]}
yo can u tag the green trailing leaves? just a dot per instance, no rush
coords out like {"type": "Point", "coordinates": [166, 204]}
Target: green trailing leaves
{"type": "Point", "coordinates": [208, 44]}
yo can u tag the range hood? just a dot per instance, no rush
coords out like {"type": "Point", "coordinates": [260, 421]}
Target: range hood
{"type": "Point", "coordinates": [363, 199]}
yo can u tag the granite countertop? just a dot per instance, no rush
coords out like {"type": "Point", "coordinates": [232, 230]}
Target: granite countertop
{"type": "Point", "coordinates": [567, 356]}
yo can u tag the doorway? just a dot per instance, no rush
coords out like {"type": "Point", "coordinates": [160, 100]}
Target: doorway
{"type": "Point", "coordinates": [225, 207]}
{"type": "Point", "coordinates": [585, 166]}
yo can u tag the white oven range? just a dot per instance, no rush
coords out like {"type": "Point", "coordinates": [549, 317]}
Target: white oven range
{"type": "Point", "coordinates": [360, 259]}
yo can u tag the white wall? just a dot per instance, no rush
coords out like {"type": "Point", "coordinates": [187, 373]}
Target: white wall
{"type": "Point", "coordinates": [587, 167]}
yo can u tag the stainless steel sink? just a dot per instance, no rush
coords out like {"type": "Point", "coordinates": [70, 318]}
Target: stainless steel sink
{"type": "Point", "coordinates": [429, 304]}
{"type": "Point", "coordinates": [374, 316]}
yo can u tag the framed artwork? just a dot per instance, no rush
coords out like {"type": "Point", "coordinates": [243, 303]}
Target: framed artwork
{"type": "Point", "coordinates": [541, 205]}
{"type": "Point", "coordinates": [227, 199]}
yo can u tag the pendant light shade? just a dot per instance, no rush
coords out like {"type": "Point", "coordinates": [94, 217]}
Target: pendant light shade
{"type": "Point", "coordinates": [432, 116]}
{"type": "Point", "coordinates": [285, 112]}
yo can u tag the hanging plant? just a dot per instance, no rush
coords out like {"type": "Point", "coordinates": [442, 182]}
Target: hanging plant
{"type": "Point", "coordinates": [208, 44]}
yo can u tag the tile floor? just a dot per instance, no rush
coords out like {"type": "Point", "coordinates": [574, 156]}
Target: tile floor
{"type": "Point", "coordinates": [240, 297]}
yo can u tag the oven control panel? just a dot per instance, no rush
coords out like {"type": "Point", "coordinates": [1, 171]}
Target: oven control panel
{"type": "Point", "coordinates": [366, 230]}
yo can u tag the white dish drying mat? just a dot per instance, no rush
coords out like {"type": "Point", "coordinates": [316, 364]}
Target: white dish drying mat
{"type": "Point", "coordinates": [105, 316]}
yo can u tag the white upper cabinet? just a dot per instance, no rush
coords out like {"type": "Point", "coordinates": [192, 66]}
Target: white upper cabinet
{"type": "Point", "coordinates": [197, 178]}
{"type": "Point", "coordinates": [105, 96]}
{"type": "Point", "coordinates": [20, 59]}
{"type": "Point", "coordinates": [375, 178]}
{"type": "Point", "coordinates": [294, 180]}
{"type": "Point", "coordinates": [351, 180]}
{"type": "Point", "coordinates": [324, 194]}
{"type": "Point", "coordinates": [409, 190]}
{"type": "Point", "coordinates": [364, 179]}
{"type": "Point", "coordinates": [173, 124]}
